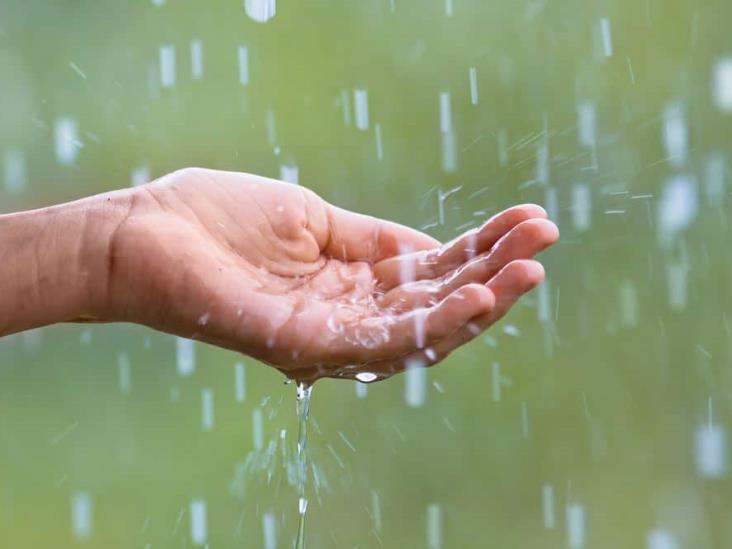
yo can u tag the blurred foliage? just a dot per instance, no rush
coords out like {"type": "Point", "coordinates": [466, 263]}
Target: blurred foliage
{"type": "Point", "coordinates": [607, 373]}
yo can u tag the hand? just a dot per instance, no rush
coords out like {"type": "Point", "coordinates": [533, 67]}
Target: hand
{"type": "Point", "coordinates": [271, 270]}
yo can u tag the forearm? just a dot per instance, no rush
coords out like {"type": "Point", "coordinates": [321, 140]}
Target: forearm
{"type": "Point", "coordinates": [54, 262]}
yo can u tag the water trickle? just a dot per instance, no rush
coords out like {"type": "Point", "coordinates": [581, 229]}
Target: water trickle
{"type": "Point", "coordinates": [415, 386]}
{"type": "Point", "coordinates": [303, 412]}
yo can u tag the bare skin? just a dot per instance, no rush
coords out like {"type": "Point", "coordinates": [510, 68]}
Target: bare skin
{"type": "Point", "coordinates": [268, 269]}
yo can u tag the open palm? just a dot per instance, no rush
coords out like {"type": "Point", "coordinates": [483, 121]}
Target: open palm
{"type": "Point", "coordinates": [271, 270]}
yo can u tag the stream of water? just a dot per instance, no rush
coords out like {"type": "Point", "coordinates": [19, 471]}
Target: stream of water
{"type": "Point", "coordinates": [304, 391]}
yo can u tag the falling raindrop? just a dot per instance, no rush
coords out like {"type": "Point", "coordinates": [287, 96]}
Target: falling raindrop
{"type": "Point", "coordinates": [81, 515]}
{"type": "Point", "coordinates": [661, 539]}
{"type": "Point", "coordinates": [167, 66]}
{"type": "Point", "coordinates": [243, 56]}
{"type": "Point", "coordinates": [207, 409]}
{"type": "Point", "coordinates": [547, 504]}
{"type": "Point", "coordinates": [606, 37]}
{"type": "Point", "coordinates": [196, 59]}
{"type": "Point", "coordinates": [434, 526]}
{"type": "Point", "coordinates": [473, 78]}
{"type": "Point", "coordinates": [185, 356]}
{"type": "Point", "coordinates": [15, 171]}
{"type": "Point", "coordinates": [415, 383]}
{"type": "Point", "coordinates": [260, 11]}
{"type": "Point", "coordinates": [123, 364]}
{"type": "Point", "coordinates": [67, 140]}
{"type": "Point", "coordinates": [289, 173]}
{"type": "Point", "coordinates": [677, 207]}
{"type": "Point", "coordinates": [576, 526]}
{"type": "Point", "coordinates": [257, 433]}
{"type": "Point", "coordinates": [711, 451]}
{"type": "Point", "coordinates": [239, 382]}
{"type": "Point", "coordinates": [722, 84]}
{"type": "Point", "coordinates": [199, 534]}
{"type": "Point", "coordinates": [361, 106]}
{"type": "Point", "coordinates": [269, 529]}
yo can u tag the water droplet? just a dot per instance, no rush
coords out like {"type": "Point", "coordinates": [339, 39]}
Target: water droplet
{"type": "Point", "coordinates": [366, 377]}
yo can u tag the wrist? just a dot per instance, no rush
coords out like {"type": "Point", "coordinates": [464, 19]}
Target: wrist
{"type": "Point", "coordinates": [55, 262]}
{"type": "Point", "coordinates": [102, 216]}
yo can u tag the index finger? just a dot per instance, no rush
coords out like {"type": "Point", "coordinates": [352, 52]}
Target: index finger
{"type": "Point", "coordinates": [358, 237]}
{"type": "Point", "coordinates": [436, 262]}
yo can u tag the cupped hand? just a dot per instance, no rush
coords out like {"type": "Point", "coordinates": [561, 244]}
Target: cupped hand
{"type": "Point", "coordinates": [270, 269]}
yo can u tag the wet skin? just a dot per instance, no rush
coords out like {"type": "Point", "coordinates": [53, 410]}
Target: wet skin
{"type": "Point", "coordinates": [271, 270]}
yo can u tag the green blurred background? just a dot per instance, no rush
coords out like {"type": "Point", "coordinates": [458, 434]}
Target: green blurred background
{"type": "Point", "coordinates": [595, 415]}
